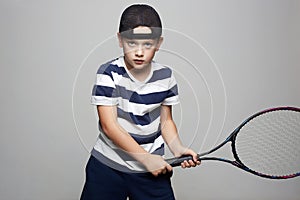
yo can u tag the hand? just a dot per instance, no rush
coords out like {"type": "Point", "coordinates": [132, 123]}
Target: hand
{"type": "Point", "coordinates": [189, 163]}
{"type": "Point", "coordinates": [156, 165]}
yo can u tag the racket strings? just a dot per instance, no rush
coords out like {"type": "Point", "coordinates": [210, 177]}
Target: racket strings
{"type": "Point", "coordinates": [270, 143]}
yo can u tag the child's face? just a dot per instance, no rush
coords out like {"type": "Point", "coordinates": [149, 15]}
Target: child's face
{"type": "Point", "coordinates": [139, 53]}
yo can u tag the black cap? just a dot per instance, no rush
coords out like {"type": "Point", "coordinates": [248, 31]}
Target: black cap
{"type": "Point", "coordinates": [140, 15]}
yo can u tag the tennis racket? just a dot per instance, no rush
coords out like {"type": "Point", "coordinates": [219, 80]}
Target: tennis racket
{"type": "Point", "coordinates": [267, 144]}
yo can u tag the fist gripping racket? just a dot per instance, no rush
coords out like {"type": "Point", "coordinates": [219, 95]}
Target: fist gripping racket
{"type": "Point", "coordinates": [267, 144]}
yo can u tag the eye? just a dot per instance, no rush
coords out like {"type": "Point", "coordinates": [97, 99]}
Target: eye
{"type": "Point", "coordinates": [131, 43]}
{"type": "Point", "coordinates": [148, 45]}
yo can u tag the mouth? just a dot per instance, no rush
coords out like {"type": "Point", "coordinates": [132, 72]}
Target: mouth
{"type": "Point", "coordinates": [138, 62]}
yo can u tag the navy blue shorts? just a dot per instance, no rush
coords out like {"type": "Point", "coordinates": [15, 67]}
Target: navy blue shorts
{"type": "Point", "coordinates": [103, 182]}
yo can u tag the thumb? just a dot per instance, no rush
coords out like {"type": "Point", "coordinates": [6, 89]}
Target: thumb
{"type": "Point", "coordinates": [195, 157]}
{"type": "Point", "coordinates": [169, 168]}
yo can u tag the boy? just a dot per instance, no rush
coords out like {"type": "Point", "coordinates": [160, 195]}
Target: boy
{"type": "Point", "coordinates": [134, 97]}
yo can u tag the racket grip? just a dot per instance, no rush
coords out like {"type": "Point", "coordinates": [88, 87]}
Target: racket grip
{"type": "Point", "coordinates": [174, 162]}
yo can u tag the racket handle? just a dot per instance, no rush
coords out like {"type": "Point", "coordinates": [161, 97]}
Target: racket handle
{"type": "Point", "coordinates": [174, 162]}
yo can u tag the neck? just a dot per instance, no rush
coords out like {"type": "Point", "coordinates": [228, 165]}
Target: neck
{"type": "Point", "coordinates": [139, 74]}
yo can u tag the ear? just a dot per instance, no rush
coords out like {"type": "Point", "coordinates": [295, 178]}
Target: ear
{"type": "Point", "coordinates": [160, 41]}
{"type": "Point", "coordinates": [120, 40]}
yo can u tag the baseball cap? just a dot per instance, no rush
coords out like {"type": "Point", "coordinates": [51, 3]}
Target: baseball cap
{"type": "Point", "coordinates": [140, 21]}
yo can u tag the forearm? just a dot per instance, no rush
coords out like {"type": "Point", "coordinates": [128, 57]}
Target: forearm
{"type": "Point", "coordinates": [124, 141]}
{"type": "Point", "coordinates": [121, 138]}
{"type": "Point", "coordinates": [171, 137]}
{"type": "Point", "coordinates": [118, 135]}
{"type": "Point", "coordinates": [153, 163]}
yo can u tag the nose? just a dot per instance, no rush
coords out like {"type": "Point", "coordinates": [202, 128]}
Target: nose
{"type": "Point", "coordinates": [139, 51]}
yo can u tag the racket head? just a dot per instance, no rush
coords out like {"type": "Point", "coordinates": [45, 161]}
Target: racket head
{"type": "Point", "coordinates": [267, 144]}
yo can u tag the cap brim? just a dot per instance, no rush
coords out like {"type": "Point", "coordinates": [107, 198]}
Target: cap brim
{"type": "Point", "coordinates": [153, 33]}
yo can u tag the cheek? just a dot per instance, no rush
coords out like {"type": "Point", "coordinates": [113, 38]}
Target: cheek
{"type": "Point", "coordinates": [150, 54]}
{"type": "Point", "coordinates": [127, 50]}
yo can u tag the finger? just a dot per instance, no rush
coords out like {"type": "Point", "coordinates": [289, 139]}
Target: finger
{"type": "Point", "coordinates": [192, 163]}
{"type": "Point", "coordinates": [184, 164]}
{"type": "Point", "coordinates": [169, 168]}
{"type": "Point", "coordinates": [155, 173]}
{"type": "Point", "coordinates": [189, 163]}
{"type": "Point", "coordinates": [195, 158]}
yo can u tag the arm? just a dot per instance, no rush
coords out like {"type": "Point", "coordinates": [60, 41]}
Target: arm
{"type": "Point", "coordinates": [171, 137]}
{"type": "Point", "coordinates": [108, 119]}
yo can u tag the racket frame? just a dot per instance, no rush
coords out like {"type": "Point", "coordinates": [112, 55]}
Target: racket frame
{"type": "Point", "coordinates": [231, 138]}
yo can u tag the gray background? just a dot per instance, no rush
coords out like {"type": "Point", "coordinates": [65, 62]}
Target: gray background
{"type": "Point", "coordinates": [248, 60]}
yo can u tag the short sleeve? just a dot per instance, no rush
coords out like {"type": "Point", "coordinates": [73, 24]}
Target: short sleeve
{"type": "Point", "coordinates": [104, 89]}
{"type": "Point", "coordinates": [172, 95]}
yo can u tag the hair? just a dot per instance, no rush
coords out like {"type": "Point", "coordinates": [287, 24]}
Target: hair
{"type": "Point", "coordinates": [139, 15]}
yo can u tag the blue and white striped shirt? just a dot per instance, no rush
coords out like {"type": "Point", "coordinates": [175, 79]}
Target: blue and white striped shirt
{"type": "Point", "coordinates": [138, 108]}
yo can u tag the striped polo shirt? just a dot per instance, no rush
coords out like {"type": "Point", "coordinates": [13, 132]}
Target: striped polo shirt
{"type": "Point", "coordinates": [138, 109]}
